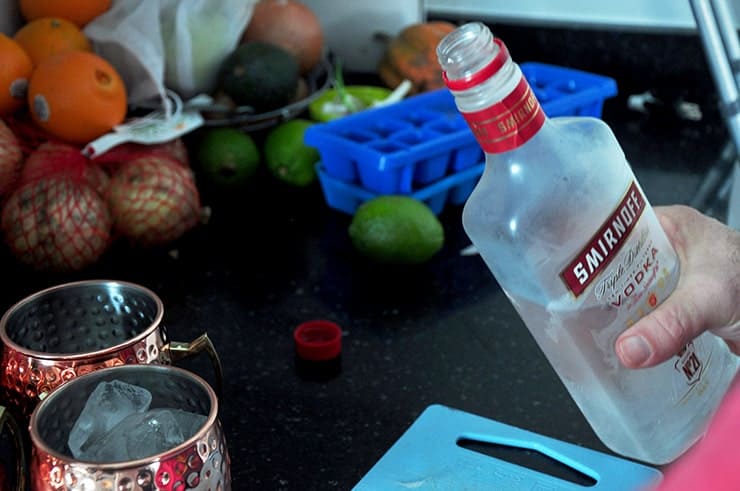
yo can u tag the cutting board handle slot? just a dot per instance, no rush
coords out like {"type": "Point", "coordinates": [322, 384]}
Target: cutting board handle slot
{"type": "Point", "coordinates": [525, 455]}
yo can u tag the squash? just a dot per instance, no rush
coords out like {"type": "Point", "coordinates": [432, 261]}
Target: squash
{"type": "Point", "coordinates": [412, 55]}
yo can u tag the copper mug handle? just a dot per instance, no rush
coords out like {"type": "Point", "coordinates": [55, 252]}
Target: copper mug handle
{"type": "Point", "coordinates": [179, 350]}
{"type": "Point", "coordinates": [21, 465]}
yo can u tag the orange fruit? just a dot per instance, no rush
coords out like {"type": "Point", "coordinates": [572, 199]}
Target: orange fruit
{"type": "Point", "coordinates": [76, 96]}
{"type": "Point", "coordinates": [80, 12]}
{"type": "Point", "coordinates": [15, 68]}
{"type": "Point", "coordinates": [50, 35]}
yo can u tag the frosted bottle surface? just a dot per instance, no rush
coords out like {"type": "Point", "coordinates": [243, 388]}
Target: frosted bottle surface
{"type": "Point", "coordinates": [565, 228]}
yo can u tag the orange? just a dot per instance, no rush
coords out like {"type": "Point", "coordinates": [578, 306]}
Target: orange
{"type": "Point", "coordinates": [80, 12]}
{"type": "Point", "coordinates": [15, 69]}
{"type": "Point", "coordinates": [49, 35]}
{"type": "Point", "coordinates": [76, 96]}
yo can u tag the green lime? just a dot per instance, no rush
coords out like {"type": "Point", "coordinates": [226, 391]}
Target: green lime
{"type": "Point", "coordinates": [397, 230]}
{"type": "Point", "coordinates": [287, 157]}
{"type": "Point", "coordinates": [227, 157]}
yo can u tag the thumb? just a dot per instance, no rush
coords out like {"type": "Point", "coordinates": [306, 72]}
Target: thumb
{"type": "Point", "coordinates": [658, 336]}
{"type": "Point", "coordinates": [705, 298]}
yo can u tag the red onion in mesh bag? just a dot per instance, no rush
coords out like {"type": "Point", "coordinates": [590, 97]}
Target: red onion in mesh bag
{"type": "Point", "coordinates": [153, 200]}
{"type": "Point", "coordinates": [128, 151]}
{"type": "Point", "coordinates": [56, 224]}
{"type": "Point", "coordinates": [54, 219]}
{"type": "Point", "coordinates": [54, 158]}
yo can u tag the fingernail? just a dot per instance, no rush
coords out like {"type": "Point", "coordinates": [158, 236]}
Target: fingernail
{"type": "Point", "coordinates": [635, 350]}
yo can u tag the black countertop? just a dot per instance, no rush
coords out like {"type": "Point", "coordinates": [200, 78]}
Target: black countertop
{"type": "Point", "coordinates": [442, 332]}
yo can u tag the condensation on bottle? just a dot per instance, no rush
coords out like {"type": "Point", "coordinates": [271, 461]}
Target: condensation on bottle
{"type": "Point", "coordinates": [568, 233]}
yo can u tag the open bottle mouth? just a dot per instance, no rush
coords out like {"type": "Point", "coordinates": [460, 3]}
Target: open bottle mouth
{"type": "Point", "coordinates": [466, 51]}
{"type": "Point", "coordinates": [484, 73]}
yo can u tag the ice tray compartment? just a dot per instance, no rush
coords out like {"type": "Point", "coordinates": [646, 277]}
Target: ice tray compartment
{"type": "Point", "coordinates": [419, 143]}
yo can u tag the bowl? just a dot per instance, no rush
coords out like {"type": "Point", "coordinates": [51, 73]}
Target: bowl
{"type": "Point", "coordinates": [317, 80]}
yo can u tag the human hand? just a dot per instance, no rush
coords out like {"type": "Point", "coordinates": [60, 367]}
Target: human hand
{"type": "Point", "coordinates": [707, 297]}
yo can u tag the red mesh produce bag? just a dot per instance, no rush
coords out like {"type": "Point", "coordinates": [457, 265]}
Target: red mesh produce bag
{"type": "Point", "coordinates": [56, 158]}
{"type": "Point", "coordinates": [125, 152]}
{"type": "Point", "coordinates": [11, 158]}
{"type": "Point", "coordinates": [55, 220]}
{"type": "Point", "coordinates": [56, 224]}
{"type": "Point", "coordinates": [28, 133]}
{"type": "Point", "coordinates": [153, 200]}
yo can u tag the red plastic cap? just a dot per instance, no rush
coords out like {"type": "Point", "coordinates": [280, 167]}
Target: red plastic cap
{"type": "Point", "coordinates": [318, 340]}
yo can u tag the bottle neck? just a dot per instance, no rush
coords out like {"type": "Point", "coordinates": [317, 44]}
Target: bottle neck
{"type": "Point", "coordinates": [489, 89]}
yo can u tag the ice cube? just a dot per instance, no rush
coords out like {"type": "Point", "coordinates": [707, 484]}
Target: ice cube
{"type": "Point", "coordinates": [107, 406]}
{"type": "Point", "coordinates": [189, 422]}
{"type": "Point", "coordinates": [142, 435]}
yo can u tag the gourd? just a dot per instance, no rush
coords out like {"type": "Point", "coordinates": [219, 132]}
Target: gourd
{"type": "Point", "coordinates": [411, 55]}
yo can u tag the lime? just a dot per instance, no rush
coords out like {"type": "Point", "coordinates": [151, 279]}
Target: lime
{"type": "Point", "coordinates": [227, 157]}
{"type": "Point", "coordinates": [287, 157]}
{"type": "Point", "coordinates": [396, 229]}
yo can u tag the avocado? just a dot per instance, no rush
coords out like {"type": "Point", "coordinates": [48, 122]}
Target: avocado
{"type": "Point", "coordinates": [261, 75]}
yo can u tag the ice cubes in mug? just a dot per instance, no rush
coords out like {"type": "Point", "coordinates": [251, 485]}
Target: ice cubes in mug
{"type": "Point", "coordinates": [118, 425]}
{"type": "Point", "coordinates": [106, 406]}
{"type": "Point", "coordinates": [145, 434]}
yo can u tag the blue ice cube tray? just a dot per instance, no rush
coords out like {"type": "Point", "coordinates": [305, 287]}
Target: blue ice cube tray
{"type": "Point", "coordinates": [428, 456]}
{"type": "Point", "coordinates": [453, 189]}
{"type": "Point", "coordinates": [404, 148]}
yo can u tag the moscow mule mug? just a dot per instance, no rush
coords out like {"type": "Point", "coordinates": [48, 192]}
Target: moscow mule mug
{"type": "Point", "coordinates": [199, 463]}
{"type": "Point", "coordinates": [68, 330]}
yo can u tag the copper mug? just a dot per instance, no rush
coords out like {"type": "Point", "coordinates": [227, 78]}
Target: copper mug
{"type": "Point", "coordinates": [201, 462]}
{"type": "Point", "coordinates": [68, 330]}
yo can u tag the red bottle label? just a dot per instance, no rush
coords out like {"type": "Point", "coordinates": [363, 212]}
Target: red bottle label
{"type": "Point", "coordinates": [509, 123]}
{"type": "Point", "coordinates": [606, 243]}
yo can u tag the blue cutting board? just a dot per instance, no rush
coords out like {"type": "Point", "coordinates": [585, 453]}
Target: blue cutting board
{"type": "Point", "coordinates": [428, 457]}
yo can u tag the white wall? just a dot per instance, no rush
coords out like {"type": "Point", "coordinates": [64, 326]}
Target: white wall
{"type": "Point", "coordinates": [632, 14]}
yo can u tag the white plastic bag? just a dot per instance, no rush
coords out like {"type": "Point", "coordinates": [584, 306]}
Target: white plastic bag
{"type": "Point", "coordinates": [169, 44]}
{"type": "Point", "coordinates": [197, 36]}
{"type": "Point", "coordinates": [128, 37]}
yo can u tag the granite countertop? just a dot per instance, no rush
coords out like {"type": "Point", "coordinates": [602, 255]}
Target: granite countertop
{"type": "Point", "coordinates": [440, 333]}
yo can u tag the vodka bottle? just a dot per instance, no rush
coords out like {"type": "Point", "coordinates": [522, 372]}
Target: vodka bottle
{"type": "Point", "coordinates": [566, 230]}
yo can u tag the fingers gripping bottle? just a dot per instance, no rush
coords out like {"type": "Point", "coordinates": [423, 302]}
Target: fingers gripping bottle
{"type": "Point", "coordinates": [570, 237]}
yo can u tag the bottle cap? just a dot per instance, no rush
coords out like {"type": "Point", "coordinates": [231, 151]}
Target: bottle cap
{"type": "Point", "coordinates": [318, 340]}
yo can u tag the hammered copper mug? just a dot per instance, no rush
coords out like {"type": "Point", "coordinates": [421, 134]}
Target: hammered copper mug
{"type": "Point", "coordinates": [68, 330]}
{"type": "Point", "coordinates": [200, 463]}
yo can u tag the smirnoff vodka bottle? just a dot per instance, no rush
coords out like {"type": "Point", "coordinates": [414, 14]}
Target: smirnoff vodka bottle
{"type": "Point", "coordinates": [569, 235]}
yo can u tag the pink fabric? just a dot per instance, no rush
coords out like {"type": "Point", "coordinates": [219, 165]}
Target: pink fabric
{"type": "Point", "coordinates": [713, 464]}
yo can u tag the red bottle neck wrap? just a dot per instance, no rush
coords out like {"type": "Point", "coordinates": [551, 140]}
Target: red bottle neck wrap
{"type": "Point", "coordinates": [508, 123]}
